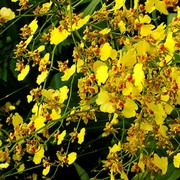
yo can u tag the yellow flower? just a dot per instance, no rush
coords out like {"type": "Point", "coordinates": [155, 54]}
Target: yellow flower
{"type": "Point", "coordinates": [162, 130]}
{"type": "Point", "coordinates": [6, 13]}
{"type": "Point", "coordinates": [151, 5]}
{"type": "Point", "coordinates": [170, 43]}
{"type": "Point", "coordinates": [21, 168]}
{"type": "Point", "coordinates": [17, 120]}
{"type": "Point", "coordinates": [37, 109]}
{"type": "Point", "coordinates": [161, 163]}
{"type": "Point", "coordinates": [23, 73]}
{"type": "Point", "coordinates": [115, 148]}
{"type": "Point", "coordinates": [55, 115]}
{"type": "Point", "coordinates": [176, 160]}
{"type": "Point", "coordinates": [41, 77]}
{"type": "Point", "coordinates": [168, 108]}
{"type": "Point", "coordinates": [158, 33]}
{"type": "Point", "coordinates": [122, 26]}
{"type": "Point", "coordinates": [63, 94]}
{"type": "Point", "coordinates": [47, 93]}
{"type": "Point", "coordinates": [9, 106]}
{"type": "Point", "coordinates": [103, 100]}
{"type": "Point", "coordinates": [119, 4]}
{"type": "Point", "coordinates": [46, 170]}
{"type": "Point", "coordinates": [128, 59]}
{"type": "Point", "coordinates": [39, 123]}
{"type": "Point", "coordinates": [130, 108]}
{"type": "Point", "coordinates": [144, 19]}
{"type": "Point", "coordinates": [123, 175]}
{"type": "Point", "coordinates": [29, 39]}
{"type": "Point", "coordinates": [115, 119]}
{"type": "Point", "coordinates": [105, 31]}
{"type": "Point", "coordinates": [80, 23]}
{"type": "Point", "coordinates": [105, 51]}
{"type": "Point", "coordinates": [146, 126]}
{"type": "Point", "coordinates": [142, 47]}
{"type": "Point", "coordinates": [58, 36]}
{"type": "Point", "coordinates": [136, 3]}
{"type": "Point", "coordinates": [45, 7]}
{"type": "Point", "coordinates": [81, 135]}
{"type": "Point", "coordinates": [141, 163]}
{"type": "Point", "coordinates": [161, 7]}
{"type": "Point", "coordinates": [44, 61]}
{"type": "Point", "coordinates": [158, 111]}
{"type": "Point", "coordinates": [128, 89]}
{"type": "Point", "coordinates": [33, 26]}
{"type": "Point", "coordinates": [39, 154]}
{"type": "Point", "coordinates": [113, 54]}
{"type": "Point", "coordinates": [101, 72]}
{"type": "Point", "coordinates": [61, 137]}
{"type": "Point", "coordinates": [178, 12]}
{"type": "Point", "coordinates": [68, 73]}
{"type": "Point", "coordinates": [72, 157]}
{"type": "Point", "coordinates": [112, 176]}
{"type": "Point", "coordinates": [80, 63]}
{"type": "Point", "coordinates": [146, 29]}
{"type": "Point", "coordinates": [138, 76]}
{"type": "Point", "coordinates": [41, 48]}
{"type": "Point", "coordinates": [4, 165]}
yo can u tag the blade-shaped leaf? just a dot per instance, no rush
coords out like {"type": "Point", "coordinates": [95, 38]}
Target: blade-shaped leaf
{"type": "Point", "coordinates": [91, 7]}
{"type": "Point", "coordinates": [81, 172]}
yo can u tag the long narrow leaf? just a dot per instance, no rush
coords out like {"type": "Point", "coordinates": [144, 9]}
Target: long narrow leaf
{"type": "Point", "coordinates": [81, 172]}
{"type": "Point", "coordinates": [91, 7]}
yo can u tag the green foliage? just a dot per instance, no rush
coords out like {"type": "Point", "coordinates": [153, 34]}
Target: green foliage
{"type": "Point", "coordinates": [91, 7]}
{"type": "Point", "coordinates": [99, 88]}
{"type": "Point", "coordinates": [81, 172]}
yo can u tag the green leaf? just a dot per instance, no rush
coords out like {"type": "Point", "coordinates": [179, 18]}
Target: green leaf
{"type": "Point", "coordinates": [175, 174]}
{"type": "Point", "coordinates": [154, 17]}
{"type": "Point", "coordinates": [91, 7]}
{"type": "Point", "coordinates": [56, 81]}
{"type": "Point", "coordinates": [77, 3]}
{"type": "Point", "coordinates": [3, 71]}
{"type": "Point", "coordinates": [170, 17]}
{"type": "Point", "coordinates": [176, 58]}
{"type": "Point", "coordinates": [81, 172]}
{"type": "Point", "coordinates": [13, 67]}
{"type": "Point", "coordinates": [143, 176]}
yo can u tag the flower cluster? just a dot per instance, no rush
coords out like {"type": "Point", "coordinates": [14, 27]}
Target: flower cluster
{"type": "Point", "coordinates": [123, 71]}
